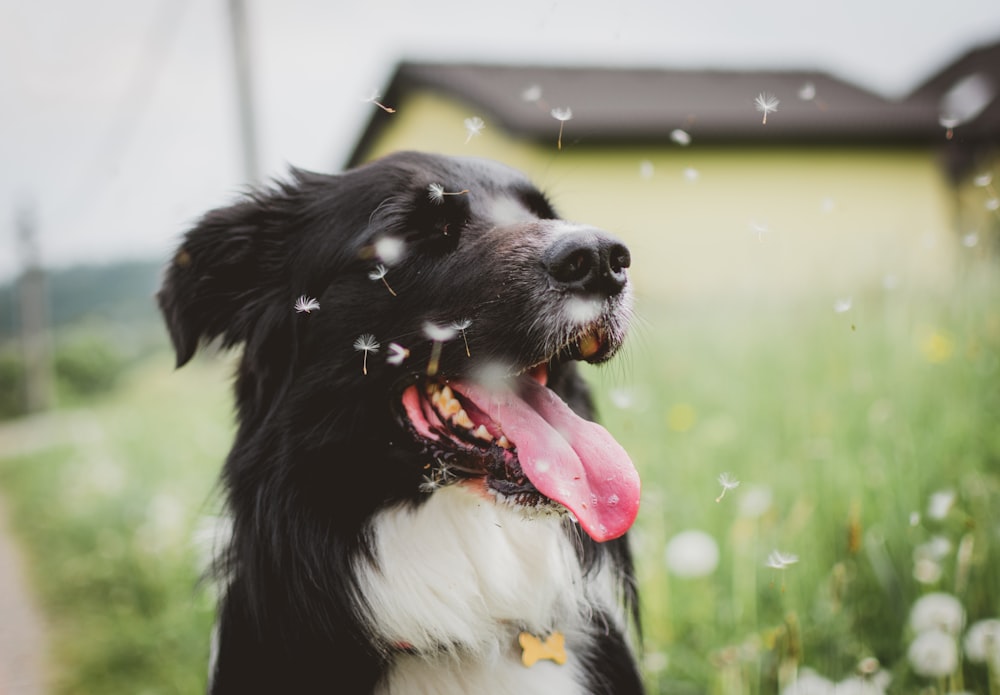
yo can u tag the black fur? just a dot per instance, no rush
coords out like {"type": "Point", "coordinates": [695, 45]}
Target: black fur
{"type": "Point", "coordinates": [320, 446]}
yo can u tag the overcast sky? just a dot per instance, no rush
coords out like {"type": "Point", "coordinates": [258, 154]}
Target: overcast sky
{"type": "Point", "coordinates": [119, 118]}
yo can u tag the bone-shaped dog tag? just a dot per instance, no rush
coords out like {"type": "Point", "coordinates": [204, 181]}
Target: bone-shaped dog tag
{"type": "Point", "coordinates": [535, 650]}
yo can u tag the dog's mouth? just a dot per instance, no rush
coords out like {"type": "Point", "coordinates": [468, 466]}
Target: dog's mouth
{"type": "Point", "coordinates": [520, 441]}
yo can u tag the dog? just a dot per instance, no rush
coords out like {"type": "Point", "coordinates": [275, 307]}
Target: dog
{"type": "Point", "coordinates": [420, 501]}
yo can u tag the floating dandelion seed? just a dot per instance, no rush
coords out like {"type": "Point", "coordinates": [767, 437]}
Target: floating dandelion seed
{"type": "Point", "coordinates": [366, 343]}
{"type": "Point", "coordinates": [842, 306]}
{"type": "Point", "coordinates": [436, 193]}
{"type": "Point", "coordinates": [691, 174]}
{"type": "Point", "coordinates": [765, 104]}
{"type": "Point", "coordinates": [379, 274]}
{"type": "Point", "coordinates": [374, 99]}
{"type": "Point", "coordinates": [949, 123]}
{"type": "Point", "coordinates": [728, 483]}
{"type": "Point", "coordinates": [561, 115]}
{"type": "Point", "coordinates": [807, 92]}
{"type": "Point", "coordinates": [473, 127]}
{"type": "Point", "coordinates": [681, 137]}
{"type": "Point", "coordinates": [646, 169]}
{"type": "Point", "coordinates": [397, 353]}
{"type": "Point", "coordinates": [532, 94]}
{"type": "Point", "coordinates": [779, 560]}
{"type": "Point", "coordinates": [306, 305]}
{"type": "Point", "coordinates": [993, 204]}
{"type": "Point", "coordinates": [461, 327]}
{"type": "Point", "coordinates": [970, 240]}
{"type": "Point", "coordinates": [983, 180]}
{"type": "Point", "coordinates": [389, 249]}
{"type": "Point", "coordinates": [439, 335]}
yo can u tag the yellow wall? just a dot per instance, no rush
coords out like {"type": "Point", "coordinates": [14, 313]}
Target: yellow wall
{"type": "Point", "coordinates": [755, 221]}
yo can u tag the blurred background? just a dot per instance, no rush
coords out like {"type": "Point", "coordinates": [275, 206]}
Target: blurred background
{"type": "Point", "coordinates": [812, 387]}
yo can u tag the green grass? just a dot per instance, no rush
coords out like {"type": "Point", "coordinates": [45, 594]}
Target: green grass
{"type": "Point", "coordinates": [846, 422]}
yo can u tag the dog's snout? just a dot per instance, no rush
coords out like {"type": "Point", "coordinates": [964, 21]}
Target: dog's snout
{"type": "Point", "coordinates": [588, 261]}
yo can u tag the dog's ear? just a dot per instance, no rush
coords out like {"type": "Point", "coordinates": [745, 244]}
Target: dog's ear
{"type": "Point", "coordinates": [224, 278]}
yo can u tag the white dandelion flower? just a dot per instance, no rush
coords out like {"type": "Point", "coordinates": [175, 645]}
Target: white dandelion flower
{"type": "Point", "coordinates": [366, 343]}
{"type": "Point", "coordinates": [691, 554]}
{"type": "Point", "coordinates": [681, 137]}
{"type": "Point", "coordinates": [461, 326]}
{"type": "Point", "coordinates": [306, 304]}
{"type": "Point", "coordinates": [379, 274]}
{"type": "Point", "coordinates": [810, 683]}
{"type": "Point", "coordinates": [937, 611]}
{"type": "Point", "coordinates": [561, 115]}
{"type": "Point", "coordinates": [728, 482]}
{"type": "Point", "coordinates": [933, 654]}
{"type": "Point", "coordinates": [779, 560]}
{"type": "Point", "coordinates": [766, 103]}
{"type": "Point", "coordinates": [374, 98]}
{"type": "Point", "coordinates": [397, 353]}
{"type": "Point", "coordinates": [982, 642]}
{"type": "Point", "coordinates": [473, 127]}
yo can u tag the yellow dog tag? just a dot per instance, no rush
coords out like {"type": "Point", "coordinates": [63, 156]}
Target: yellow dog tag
{"type": "Point", "coordinates": [553, 648]}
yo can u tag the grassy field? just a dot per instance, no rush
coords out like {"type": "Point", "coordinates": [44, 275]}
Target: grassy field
{"type": "Point", "coordinates": [866, 443]}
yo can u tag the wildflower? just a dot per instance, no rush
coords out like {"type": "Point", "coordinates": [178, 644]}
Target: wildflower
{"type": "Point", "coordinates": [366, 343]}
{"type": "Point", "coordinates": [779, 560]}
{"type": "Point", "coordinates": [561, 115]}
{"type": "Point", "coordinates": [461, 327]}
{"type": "Point", "coordinates": [728, 483]}
{"type": "Point", "coordinates": [374, 99]}
{"type": "Point", "coordinates": [379, 274]}
{"type": "Point", "coordinates": [473, 126]}
{"type": "Point", "coordinates": [810, 683]}
{"type": "Point", "coordinates": [937, 611]}
{"type": "Point", "coordinates": [438, 335]}
{"type": "Point", "coordinates": [437, 193]}
{"type": "Point", "coordinates": [765, 104]}
{"type": "Point", "coordinates": [982, 642]}
{"type": "Point", "coordinates": [692, 554]}
{"type": "Point", "coordinates": [933, 654]}
{"type": "Point", "coordinates": [306, 304]}
{"type": "Point", "coordinates": [681, 137]}
{"type": "Point", "coordinates": [397, 353]}
{"type": "Point", "coordinates": [927, 570]}
{"type": "Point", "coordinates": [842, 306]}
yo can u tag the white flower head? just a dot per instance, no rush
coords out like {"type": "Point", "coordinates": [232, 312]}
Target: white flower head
{"type": "Point", "coordinates": [681, 137]}
{"type": "Point", "coordinates": [379, 274]}
{"type": "Point", "coordinates": [562, 115]}
{"type": "Point", "coordinates": [692, 554]}
{"type": "Point", "coordinates": [397, 353]}
{"type": "Point", "coordinates": [937, 611]}
{"type": "Point", "coordinates": [766, 103]}
{"type": "Point", "coordinates": [810, 683]}
{"type": "Point", "coordinates": [779, 560]}
{"type": "Point", "coordinates": [982, 642]}
{"type": "Point", "coordinates": [473, 126]}
{"type": "Point", "coordinates": [366, 343]}
{"type": "Point", "coordinates": [306, 305]}
{"type": "Point", "coordinates": [728, 482]}
{"type": "Point", "coordinates": [933, 654]}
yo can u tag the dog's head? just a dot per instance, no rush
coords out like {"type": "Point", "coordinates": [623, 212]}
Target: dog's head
{"type": "Point", "coordinates": [452, 303]}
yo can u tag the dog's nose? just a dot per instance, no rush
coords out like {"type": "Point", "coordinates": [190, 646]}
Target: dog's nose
{"type": "Point", "coordinates": [588, 261]}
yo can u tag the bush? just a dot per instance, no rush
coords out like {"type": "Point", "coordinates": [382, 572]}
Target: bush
{"type": "Point", "coordinates": [11, 386]}
{"type": "Point", "coordinates": [87, 366]}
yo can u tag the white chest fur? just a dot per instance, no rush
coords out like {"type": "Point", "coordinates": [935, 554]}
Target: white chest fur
{"type": "Point", "coordinates": [457, 578]}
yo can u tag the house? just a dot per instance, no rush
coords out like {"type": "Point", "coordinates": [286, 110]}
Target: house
{"type": "Point", "coordinates": [838, 191]}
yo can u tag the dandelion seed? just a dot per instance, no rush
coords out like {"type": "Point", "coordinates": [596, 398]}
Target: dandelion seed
{"type": "Point", "coordinates": [366, 343]}
{"type": "Point", "coordinates": [379, 274]}
{"type": "Point", "coordinates": [561, 115]}
{"type": "Point", "coordinates": [765, 104]}
{"type": "Point", "coordinates": [760, 228]}
{"type": "Point", "coordinates": [842, 306]}
{"type": "Point", "coordinates": [461, 326]}
{"type": "Point", "coordinates": [993, 204]}
{"type": "Point", "coordinates": [779, 560]}
{"type": "Point", "coordinates": [306, 304]}
{"type": "Point", "coordinates": [397, 353]}
{"type": "Point", "coordinates": [983, 180]}
{"type": "Point", "coordinates": [436, 193]}
{"type": "Point", "coordinates": [940, 503]}
{"type": "Point", "coordinates": [728, 483]}
{"type": "Point", "coordinates": [692, 554]}
{"type": "Point", "coordinates": [532, 93]}
{"type": "Point", "coordinates": [646, 169]}
{"type": "Point", "coordinates": [691, 174]}
{"type": "Point", "coordinates": [807, 92]}
{"type": "Point", "coordinates": [681, 137]}
{"type": "Point", "coordinates": [439, 335]}
{"type": "Point", "coordinates": [949, 123]}
{"type": "Point", "coordinates": [473, 127]}
{"type": "Point", "coordinates": [970, 240]}
{"type": "Point", "coordinates": [374, 99]}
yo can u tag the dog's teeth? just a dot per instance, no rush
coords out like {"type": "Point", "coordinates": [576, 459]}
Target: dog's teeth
{"type": "Point", "coordinates": [449, 408]}
{"type": "Point", "coordinates": [589, 345]}
{"type": "Point", "coordinates": [446, 393]}
{"type": "Point", "coordinates": [482, 433]}
{"type": "Point", "coordinates": [462, 420]}
{"type": "Point", "coordinates": [503, 442]}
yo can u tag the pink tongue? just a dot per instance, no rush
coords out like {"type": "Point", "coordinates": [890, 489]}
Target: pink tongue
{"type": "Point", "coordinates": [570, 460]}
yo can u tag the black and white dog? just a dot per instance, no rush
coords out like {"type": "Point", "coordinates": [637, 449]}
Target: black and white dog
{"type": "Point", "coordinates": [420, 501]}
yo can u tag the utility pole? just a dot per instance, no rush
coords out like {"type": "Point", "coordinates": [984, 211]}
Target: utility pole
{"type": "Point", "coordinates": [34, 315]}
{"type": "Point", "coordinates": [244, 89]}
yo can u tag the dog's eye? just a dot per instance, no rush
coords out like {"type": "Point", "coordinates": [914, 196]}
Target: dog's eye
{"type": "Point", "coordinates": [437, 217]}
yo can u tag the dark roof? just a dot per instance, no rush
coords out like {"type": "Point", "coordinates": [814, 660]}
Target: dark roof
{"type": "Point", "coordinates": [621, 105]}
